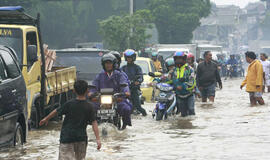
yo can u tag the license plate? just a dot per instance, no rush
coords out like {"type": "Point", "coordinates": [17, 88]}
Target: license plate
{"type": "Point", "coordinates": [106, 111]}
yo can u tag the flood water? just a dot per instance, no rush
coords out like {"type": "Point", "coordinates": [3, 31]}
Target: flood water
{"type": "Point", "coordinates": [229, 129]}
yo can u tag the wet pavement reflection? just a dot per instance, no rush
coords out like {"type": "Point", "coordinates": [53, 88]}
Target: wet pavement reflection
{"type": "Point", "coordinates": [227, 129]}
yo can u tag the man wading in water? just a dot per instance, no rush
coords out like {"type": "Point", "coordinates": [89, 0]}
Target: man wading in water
{"type": "Point", "coordinates": [254, 79]}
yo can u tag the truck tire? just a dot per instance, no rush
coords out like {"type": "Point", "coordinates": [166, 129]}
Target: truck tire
{"type": "Point", "coordinates": [18, 136]}
{"type": "Point", "coordinates": [35, 116]}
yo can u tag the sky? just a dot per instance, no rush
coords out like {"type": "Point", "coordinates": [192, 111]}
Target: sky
{"type": "Point", "coordinates": [241, 3]}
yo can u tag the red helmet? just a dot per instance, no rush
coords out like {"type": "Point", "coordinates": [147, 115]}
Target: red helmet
{"type": "Point", "coordinates": [190, 55]}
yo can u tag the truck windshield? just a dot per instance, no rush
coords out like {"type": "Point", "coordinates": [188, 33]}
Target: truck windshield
{"type": "Point", "coordinates": [166, 54]}
{"type": "Point", "coordinates": [12, 38]}
{"type": "Point", "coordinates": [88, 64]}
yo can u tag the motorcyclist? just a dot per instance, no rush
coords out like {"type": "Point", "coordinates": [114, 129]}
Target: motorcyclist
{"type": "Point", "coordinates": [112, 78]}
{"type": "Point", "coordinates": [222, 64]}
{"type": "Point", "coordinates": [233, 62]}
{"type": "Point", "coordinates": [135, 75]}
{"type": "Point", "coordinates": [118, 64]}
{"type": "Point", "coordinates": [183, 80]}
{"type": "Point", "coordinates": [156, 62]}
{"type": "Point", "coordinates": [240, 66]}
{"type": "Point", "coordinates": [191, 61]}
{"type": "Point", "coordinates": [170, 65]}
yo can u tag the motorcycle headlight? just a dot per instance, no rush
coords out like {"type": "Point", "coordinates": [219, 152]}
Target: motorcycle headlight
{"type": "Point", "coordinates": [144, 85]}
{"type": "Point", "coordinates": [106, 99]}
{"type": "Point", "coordinates": [162, 88]}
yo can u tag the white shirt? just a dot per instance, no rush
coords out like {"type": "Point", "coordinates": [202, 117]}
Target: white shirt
{"type": "Point", "coordinates": [266, 68]}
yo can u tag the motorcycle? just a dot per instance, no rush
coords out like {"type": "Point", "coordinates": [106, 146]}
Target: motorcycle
{"type": "Point", "coordinates": [107, 112]}
{"type": "Point", "coordinates": [231, 70]}
{"type": "Point", "coordinates": [166, 100]}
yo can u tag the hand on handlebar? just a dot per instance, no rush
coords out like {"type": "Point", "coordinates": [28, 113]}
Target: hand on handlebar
{"type": "Point", "coordinates": [127, 94]}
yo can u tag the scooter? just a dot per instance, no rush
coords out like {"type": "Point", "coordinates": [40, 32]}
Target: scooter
{"type": "Point", "coordinates": [166, 101]}
{"type": "Point", "coordinates": [107, 112]}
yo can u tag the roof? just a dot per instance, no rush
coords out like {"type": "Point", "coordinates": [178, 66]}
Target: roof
{"type": "Point", "coordinates": [15, 15]}
{"type": "Point", "coordinates": [139, 58]}
{"type": "Point", "coordinates": [173, 49]}
{"type": "Point", "coordinates": [82, 50]}
{"type": "Point", "coordinates": [208, 46]}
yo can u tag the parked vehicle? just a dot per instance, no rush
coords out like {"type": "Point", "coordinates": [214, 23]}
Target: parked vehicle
{"type": "Point", "coordinates": [86, 60]}
{"type": "Point", "coordinates": [215, 50]}
{"type": "Point", "coordinates": [46, 90]}
{"type": "Point", "coordinates": [13, 102]}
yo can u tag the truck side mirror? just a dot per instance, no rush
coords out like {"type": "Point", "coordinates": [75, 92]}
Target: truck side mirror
{"type": "Point", "coordinates": [32, 53]}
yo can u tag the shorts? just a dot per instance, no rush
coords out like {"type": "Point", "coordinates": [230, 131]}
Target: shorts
{"type": "Point", "coordinates": [255, 94]}
{"type": "Point", "coordinates": [209, 91]}
{"type": "Point", "coordinates": [72, 151]}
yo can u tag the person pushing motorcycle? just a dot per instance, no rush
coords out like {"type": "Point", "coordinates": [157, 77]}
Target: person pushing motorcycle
{"type": "Point", "coordinates": [183, 80]}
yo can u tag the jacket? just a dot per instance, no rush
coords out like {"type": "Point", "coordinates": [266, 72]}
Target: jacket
{"type": "Point", "coordinates": [207, 74]}
{"type": "Point", "coordinates": [157, 65]}
{"type": "Point", "coordinates": [254, 77]}
{"type": "Point", "coordinates": [185, 78]}
{"type": "Point", "coordinates": [134, 73]}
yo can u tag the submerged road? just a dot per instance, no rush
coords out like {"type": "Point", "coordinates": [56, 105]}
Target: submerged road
{"type": "Point", "coordinates": [228, 129]}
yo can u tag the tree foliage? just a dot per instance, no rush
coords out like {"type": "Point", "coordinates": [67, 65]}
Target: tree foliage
{"type": "Point", "coordinates": [177, 19]}
{"type": "Point", "coordinates": [116, 30]}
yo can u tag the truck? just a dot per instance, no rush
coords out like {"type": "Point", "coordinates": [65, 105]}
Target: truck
{"type": "Point", "coordinates": [167, 50]}
{"type": "Point", "coordinates": [215, 50]}
{"type": "Point", "coordinates": [45, 90]}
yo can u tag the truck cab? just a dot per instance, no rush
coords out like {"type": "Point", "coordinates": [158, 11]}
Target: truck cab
{"type": "Point", "coordinates": [13, 102]}
{"type": "Point", "coordinates": [45, 90]}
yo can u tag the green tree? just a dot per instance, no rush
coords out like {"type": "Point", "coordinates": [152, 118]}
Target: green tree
{"type": "Point", "coordinates": [116, 30]}
{"type": "Point", "coordinates": [177, 19]}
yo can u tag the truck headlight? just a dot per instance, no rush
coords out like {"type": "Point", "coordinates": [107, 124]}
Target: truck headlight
{"type": "Point", "coordinates": [106, 99]}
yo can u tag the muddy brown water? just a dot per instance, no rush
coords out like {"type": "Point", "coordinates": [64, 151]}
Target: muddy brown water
{"type": "Point", "coordinates": [228, 129]}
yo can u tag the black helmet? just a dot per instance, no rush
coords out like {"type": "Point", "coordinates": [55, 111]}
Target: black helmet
{"type": "Point", "coordinates": [117, 56]}
{"type": "Point", "coordinates": [108, 57]}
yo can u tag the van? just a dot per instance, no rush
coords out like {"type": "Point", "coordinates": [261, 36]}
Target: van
{"type": "Point", "coordinates": [13, 101]}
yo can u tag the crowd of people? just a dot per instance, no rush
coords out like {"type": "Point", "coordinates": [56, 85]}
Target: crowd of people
{"type": "Point", "coordinates": [188, 78]}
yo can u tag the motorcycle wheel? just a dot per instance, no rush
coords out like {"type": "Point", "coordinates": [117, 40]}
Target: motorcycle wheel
{"type": "Point", "coordinates": [117, 122]}
{"type": "Point", "coordinates": [160, 114]}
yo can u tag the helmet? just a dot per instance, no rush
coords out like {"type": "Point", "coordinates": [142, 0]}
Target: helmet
{"type": "Point", "coordinates": [154, 54]}
{"type": "Point", "coordinates": [179, 54]}
{"type": "Point", "coordinates": [117, 56]}
{"type": "Point", "coordinates": [169, 62]}
{"type": "Point", "coordinates": [190, 55]}
{"type": "Point", "coordinates": [108, 57]}
{"type": "Point", "coordinates": [130, 53]}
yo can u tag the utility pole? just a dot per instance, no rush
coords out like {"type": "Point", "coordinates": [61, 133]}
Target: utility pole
{"type": "Point", "coordinates": [131, 7]}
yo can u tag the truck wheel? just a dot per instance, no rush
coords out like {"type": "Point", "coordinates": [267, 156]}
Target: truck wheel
{"type": "Point", "coordinates": [35, 116]}
{"type": "Point", "coordinates": [18, 136]}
